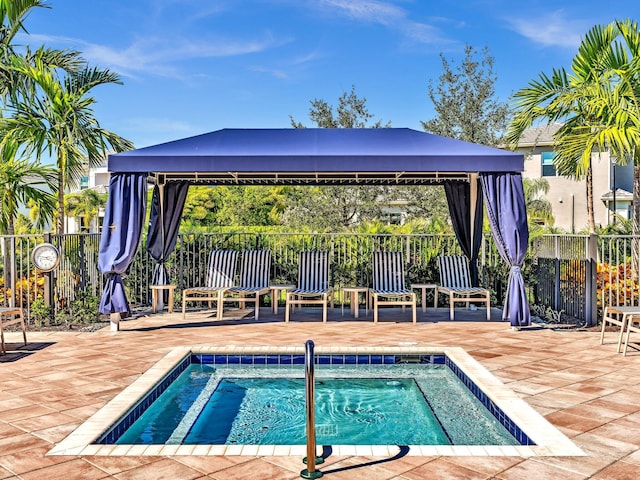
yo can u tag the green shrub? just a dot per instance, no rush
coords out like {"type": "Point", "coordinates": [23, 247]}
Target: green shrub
{"type": "Point", "coordinates": [40, 313]}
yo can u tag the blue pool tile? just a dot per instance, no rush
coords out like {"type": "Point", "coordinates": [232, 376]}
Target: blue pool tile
{"type": "Point", "coordinates": [323, 359]}
{"type": "Point", "coordinates": [203, 359]}
{"type": "Point", "coordinates": [350, 359]}
{"type": "Point", "coordinates": [497, 412]}
{"type": "Point", "coordinates": [273, 359]}
{"type": "Point", "coordinates": [259, 360]}
{"type": "Point", "coordinates": [298, 360]}
{"type": "Point", "coordinates": [337, 359]}
{"type": "Point", "coordinates": [220, 359]}
{"type": "Point", "coordinates": [363, 360]}
{"type": "Point", "coordinates": [286, 359]}
{"type": "Point", "coordinates": [376, 359]}
{"type": "Point", "coordinates": [246, 359]}
{"type": "Point", "coordinates": [389, 359]}
{"type": "Point", "coordinates": [233, 360]}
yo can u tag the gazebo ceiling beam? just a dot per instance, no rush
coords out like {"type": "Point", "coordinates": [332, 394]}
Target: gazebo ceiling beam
{"type": "Point", "coordinates": [310, 178]}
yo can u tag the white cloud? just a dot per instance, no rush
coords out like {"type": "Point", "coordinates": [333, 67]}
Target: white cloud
{"type": "Point", "coordinates": [550, 30]}
{"type": "Point", "coordinates": [386, 14]}
{"type": "Point", "coordinates": [424, 33]}
{"type": "Point", "coordinates": [274, 72]}
{"type": "Point", "coordinates": [291, 68]}
{"type": "Point", "coordinates": [367, 10]}
{"type": "Point", "coordinates": [158, 56]}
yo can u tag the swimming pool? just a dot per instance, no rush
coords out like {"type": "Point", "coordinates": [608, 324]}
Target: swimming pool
{"type": "Point", "coordinates": [395, 403]}
{"type": "Point", "coordinates": [535, 436]}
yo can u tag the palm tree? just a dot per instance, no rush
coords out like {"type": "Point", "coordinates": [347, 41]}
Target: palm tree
{"type": "Point", "coordinates": [538, 207]}
{"type": "Point", "coordinates": [85, 205]}
{"type": "Point", "coordinates": [22, 182]}
{"type": "Point", "coordinates": [595, 102]}
{"type": "Point", "coordinates": [12, 16]}
{"type": "Point", "coordinates": [57, 119]}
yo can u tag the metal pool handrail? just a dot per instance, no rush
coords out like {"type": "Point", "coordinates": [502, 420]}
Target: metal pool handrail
{"type": "Point", "coordinates": [309, 381]}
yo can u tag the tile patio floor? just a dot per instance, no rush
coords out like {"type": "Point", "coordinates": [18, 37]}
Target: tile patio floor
{"type": "Point", "coordinates": [60, 379]}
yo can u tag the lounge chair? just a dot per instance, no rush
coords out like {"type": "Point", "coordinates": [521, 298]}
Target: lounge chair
{"type": "Point", "coordinates": [455, 281]}
{"type": "Point", "coordinates": [11, 316]}
{"type": "Point", "coordinates": [220, 278]}
{"type": "Point", "coordinates": [388, 283]}
{"type": "Point", "coordinates": [313, 283]}
{"type": "Point", "coordinates": [255, 272]}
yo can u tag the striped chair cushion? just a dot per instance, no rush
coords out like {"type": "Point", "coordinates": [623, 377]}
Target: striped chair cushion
{"type": "Point", "coordinates": [222, 269]}
{"type": "Point", "coordinates": [454, 272]}
{"type": "Point", "coordinates": [255, 270]}
{"type": "Point", "coordinates": [313, 272]}
{"type": "Point", "coordinates": [388, 272]}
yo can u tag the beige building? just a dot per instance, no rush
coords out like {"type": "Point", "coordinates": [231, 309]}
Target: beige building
{"type": "Point", "coordinates": [568, 197]}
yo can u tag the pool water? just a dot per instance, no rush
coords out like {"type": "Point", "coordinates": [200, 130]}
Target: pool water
{"type": "Point", "coordinates": [401, 404]}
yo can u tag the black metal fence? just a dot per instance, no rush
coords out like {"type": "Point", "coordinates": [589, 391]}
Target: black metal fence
{"type": "Point", "coordinates": [561, 265]}
{"type": "Point", "coordinates": [575, 274]}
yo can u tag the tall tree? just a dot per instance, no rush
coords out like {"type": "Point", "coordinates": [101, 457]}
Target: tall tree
{"type": "Point", "coordinates": [22, 182]}
{"type": "Point", "coordinates": [251, 205]}
{"type": "Point", "coordinates": [13, 14]}
{"type": "Point", "coordinates": [57, 119]}
{"type": "Point", "coordinates": [329, 207]}
{"type": "Point", "coordinates": [465, 100]}
{"type": "Point", "coordinates": [597, 101]}
{"type": "Point", "coordinates": [352, 112]}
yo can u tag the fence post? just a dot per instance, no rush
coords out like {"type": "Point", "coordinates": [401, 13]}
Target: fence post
{"type": "Point", "coordinates": [591, 307]}
{"type": "Point", "coordinates": [48, 280]}
{"type": "Point", "coordinates": [408, 248]}
{"type": "Point", "coordinates": [556, 275]}
{"type": "Point", "coordinates": [13, 301]}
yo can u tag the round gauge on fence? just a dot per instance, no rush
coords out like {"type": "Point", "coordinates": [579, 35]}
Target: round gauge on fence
{"type": "Point", "coordinates": [46, 257]}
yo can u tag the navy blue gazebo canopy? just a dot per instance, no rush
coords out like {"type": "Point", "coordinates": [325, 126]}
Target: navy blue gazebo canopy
{"type": "Point", "coordinates": [316, 155]}
{"type": "Point", "coordinates": [390, 156]}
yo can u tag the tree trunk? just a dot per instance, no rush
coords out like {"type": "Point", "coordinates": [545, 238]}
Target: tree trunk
{"type": "Point", "coordinates": [590, 216]}
{"type": "Point", "coordinates": [60, 204]}
{"type": "Point", "coordinates": [635, 252]}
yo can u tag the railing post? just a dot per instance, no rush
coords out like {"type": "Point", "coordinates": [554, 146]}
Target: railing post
{"type": "Point", "coordinates": [309, 382]}
{"type": "Point", "coordinates": [14, 302]}
{"type": "Point", "coordinates": [556, 275]}
{"type": "Point", "coordinates": [591, 287]}
{"type": "Point", "coordinates": [408, 249]}
{"type": "Point", "coordinates": [83, 264]}
{"type": "Point", "coordinates": [49, 293]}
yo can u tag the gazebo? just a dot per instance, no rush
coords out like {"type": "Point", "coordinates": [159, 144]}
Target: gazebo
{"type": "Point", "coordinates": [472, 175]}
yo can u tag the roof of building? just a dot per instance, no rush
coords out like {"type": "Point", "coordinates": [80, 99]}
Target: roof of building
{"type": "Point", "coordinates": [539, 136]}
{"type": "Point", "coordinates": [621, 196]}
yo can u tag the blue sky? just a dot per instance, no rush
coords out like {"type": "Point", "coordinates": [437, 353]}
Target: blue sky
{"type": "Point", "coordinates": [194, 66]}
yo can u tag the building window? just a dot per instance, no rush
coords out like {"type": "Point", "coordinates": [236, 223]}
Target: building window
{"type": "Point", "coordinates": [84, 183]}
{"type": "Point", "coordinates": [548, 170]}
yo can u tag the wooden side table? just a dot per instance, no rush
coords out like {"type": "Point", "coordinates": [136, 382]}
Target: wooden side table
{"type": "Point", "coordinates": [423, 295]}
{"type": "Point", "coordinates": [275, 294]}
{"type": "Point", "coordinates": [354, 300]}
{"type": "Point", "coordinates": [156, 290]}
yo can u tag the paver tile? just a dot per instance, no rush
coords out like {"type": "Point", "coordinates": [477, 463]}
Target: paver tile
{"type": "Point", "coordinates": [587, 390]}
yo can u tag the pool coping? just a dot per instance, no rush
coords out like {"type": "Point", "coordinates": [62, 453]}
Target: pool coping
{"type": "Point", "coordinates": [549, 441]}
